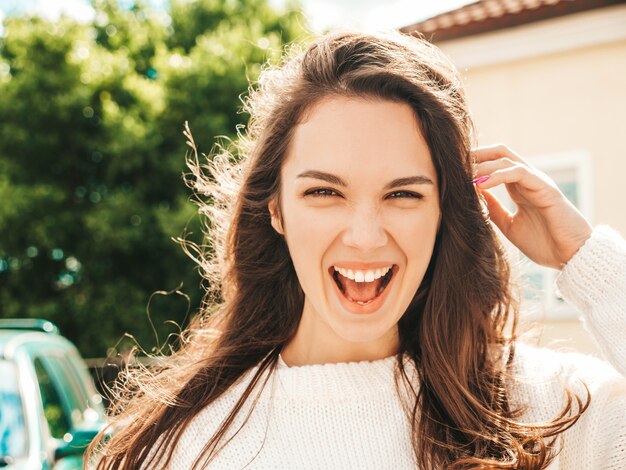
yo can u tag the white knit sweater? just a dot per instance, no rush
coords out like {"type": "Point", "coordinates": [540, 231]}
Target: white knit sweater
{"type": "Point", "coordinates": [350, 416]}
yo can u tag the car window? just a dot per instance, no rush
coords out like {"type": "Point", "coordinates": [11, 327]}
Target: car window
{"type": "Point", "coordinates": [77, 399]}
{"type": "Point", "coordinates": [78, 369]}
{"type": "Point", "coordinates": [13, 435]}
{"type": "Point", "coordinates": [54, 411]}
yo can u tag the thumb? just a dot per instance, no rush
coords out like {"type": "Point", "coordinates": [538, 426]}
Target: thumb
{"type": "Point", "coordinates": [498, 214]}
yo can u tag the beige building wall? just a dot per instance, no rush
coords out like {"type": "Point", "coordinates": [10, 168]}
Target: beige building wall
{"type": "Point", "coordinates": [553, 88]}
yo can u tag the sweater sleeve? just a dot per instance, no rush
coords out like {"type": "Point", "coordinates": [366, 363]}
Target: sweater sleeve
{"type": "Point", "coordinates": [594, 281]}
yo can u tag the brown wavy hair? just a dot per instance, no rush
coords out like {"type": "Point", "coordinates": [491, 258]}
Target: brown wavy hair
{"type": "Point", "coordinates": [459, 329]}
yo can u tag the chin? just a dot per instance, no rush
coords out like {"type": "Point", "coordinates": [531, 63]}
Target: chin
{"type": "Point", "coordinates": [363, 331]}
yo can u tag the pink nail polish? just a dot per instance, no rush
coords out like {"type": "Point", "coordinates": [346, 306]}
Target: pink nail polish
{"type": "Point", "coordinates": [482, 179]}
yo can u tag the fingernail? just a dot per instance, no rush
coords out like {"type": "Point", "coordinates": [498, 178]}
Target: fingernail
{"type": "Point", "coordinates": [482, 179]}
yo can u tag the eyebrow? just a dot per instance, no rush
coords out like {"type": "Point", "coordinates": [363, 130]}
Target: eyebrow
{"type": "Point", "coordinates": [333, 179]}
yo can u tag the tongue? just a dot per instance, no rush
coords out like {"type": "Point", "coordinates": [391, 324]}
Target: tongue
{"type": "Point", "coordinates": [360, 291]}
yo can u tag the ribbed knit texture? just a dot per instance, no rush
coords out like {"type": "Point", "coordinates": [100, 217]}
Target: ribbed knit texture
{"type": "Point", "coordinates": [350, 416]}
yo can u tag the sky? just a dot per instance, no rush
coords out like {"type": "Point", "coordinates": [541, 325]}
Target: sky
{"type": "Point", "coordinates": [363, 14]}
{"type": "Point", "coordinates": [372, 14]}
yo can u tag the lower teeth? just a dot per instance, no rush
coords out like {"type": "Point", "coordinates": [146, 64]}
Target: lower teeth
{"type": "Point", "coordinates": [361, 302]}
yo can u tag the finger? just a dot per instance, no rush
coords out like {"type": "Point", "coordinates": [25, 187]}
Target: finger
{"type": "Point", "coordinates": [517, 173]}
{"type": "Point", "coordinates": [493, 152]}
{"type": "Point", "coordinates": [488, 167]}
{"type": "Point", "coordinates": [498, 214]}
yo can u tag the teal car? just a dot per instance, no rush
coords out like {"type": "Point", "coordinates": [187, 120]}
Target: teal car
{"type": "Point", "coordinates": [49, 407]}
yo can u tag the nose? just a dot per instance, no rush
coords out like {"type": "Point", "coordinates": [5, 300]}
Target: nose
{"type": "Point", "coordinates": [365, 230]}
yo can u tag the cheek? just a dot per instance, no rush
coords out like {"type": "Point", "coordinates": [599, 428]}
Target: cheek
{"type": "Point", "coordinates": [309, 234]}
{"type": "Point", "coordinates": [308, 237]}
{"type": "Point", "coordinates": [415, 234]}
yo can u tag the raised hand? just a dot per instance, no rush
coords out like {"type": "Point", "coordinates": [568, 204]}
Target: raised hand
{"type": "Point", "coordinates": [546, 226]}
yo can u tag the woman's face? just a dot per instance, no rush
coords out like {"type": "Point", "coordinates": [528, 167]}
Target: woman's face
{"type": "Point", "coordinates": [360, 213]}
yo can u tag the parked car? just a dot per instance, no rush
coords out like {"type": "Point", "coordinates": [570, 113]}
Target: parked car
{"type": "Point", "coordinates": [49, 408]}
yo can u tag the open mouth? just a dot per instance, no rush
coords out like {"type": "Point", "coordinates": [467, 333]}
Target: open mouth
{"type": "Point", "coordinates": [362, 287]}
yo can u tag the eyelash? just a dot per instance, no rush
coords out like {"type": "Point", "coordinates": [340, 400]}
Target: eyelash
{"type": "Point", "coordinates": [408, 194]}
{"type": "Point", "coordinates": [324, 192]}
{"type": "Point", "coordinates": [320, 192]}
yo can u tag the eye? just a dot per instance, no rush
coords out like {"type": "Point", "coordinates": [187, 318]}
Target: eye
{"type": "Point", "coordinates": [404, 194]}
{"type": "Point", "coordinates": [321, 192]}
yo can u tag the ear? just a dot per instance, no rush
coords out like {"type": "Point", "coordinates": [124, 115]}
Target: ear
{"type": "Point", "coordinates": [276, 219]}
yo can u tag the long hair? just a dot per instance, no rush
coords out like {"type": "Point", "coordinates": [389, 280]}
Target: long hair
{"type": "Point", "coordinates": [458, 331]}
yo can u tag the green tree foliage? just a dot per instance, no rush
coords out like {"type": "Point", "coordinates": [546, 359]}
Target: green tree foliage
{"type": "Point", "coordinates": [92, 152]}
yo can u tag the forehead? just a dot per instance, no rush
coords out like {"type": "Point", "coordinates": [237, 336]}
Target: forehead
{"type": "Point", "coordinates": [360, 136]}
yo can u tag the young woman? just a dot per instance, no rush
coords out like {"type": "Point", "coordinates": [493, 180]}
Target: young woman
{"type": "Point", "coordinates": [361, 312]}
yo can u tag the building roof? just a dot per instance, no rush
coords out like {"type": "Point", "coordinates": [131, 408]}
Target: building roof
{"type": "Point", "coordinates": [485, 16]}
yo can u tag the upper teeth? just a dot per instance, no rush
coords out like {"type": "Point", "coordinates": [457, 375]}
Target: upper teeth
{"type": "Point", "coordinates": [363, 276]}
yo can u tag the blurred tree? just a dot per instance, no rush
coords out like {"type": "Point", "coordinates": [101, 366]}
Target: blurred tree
{"type": "Point", "coordinates": [91, 156]}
